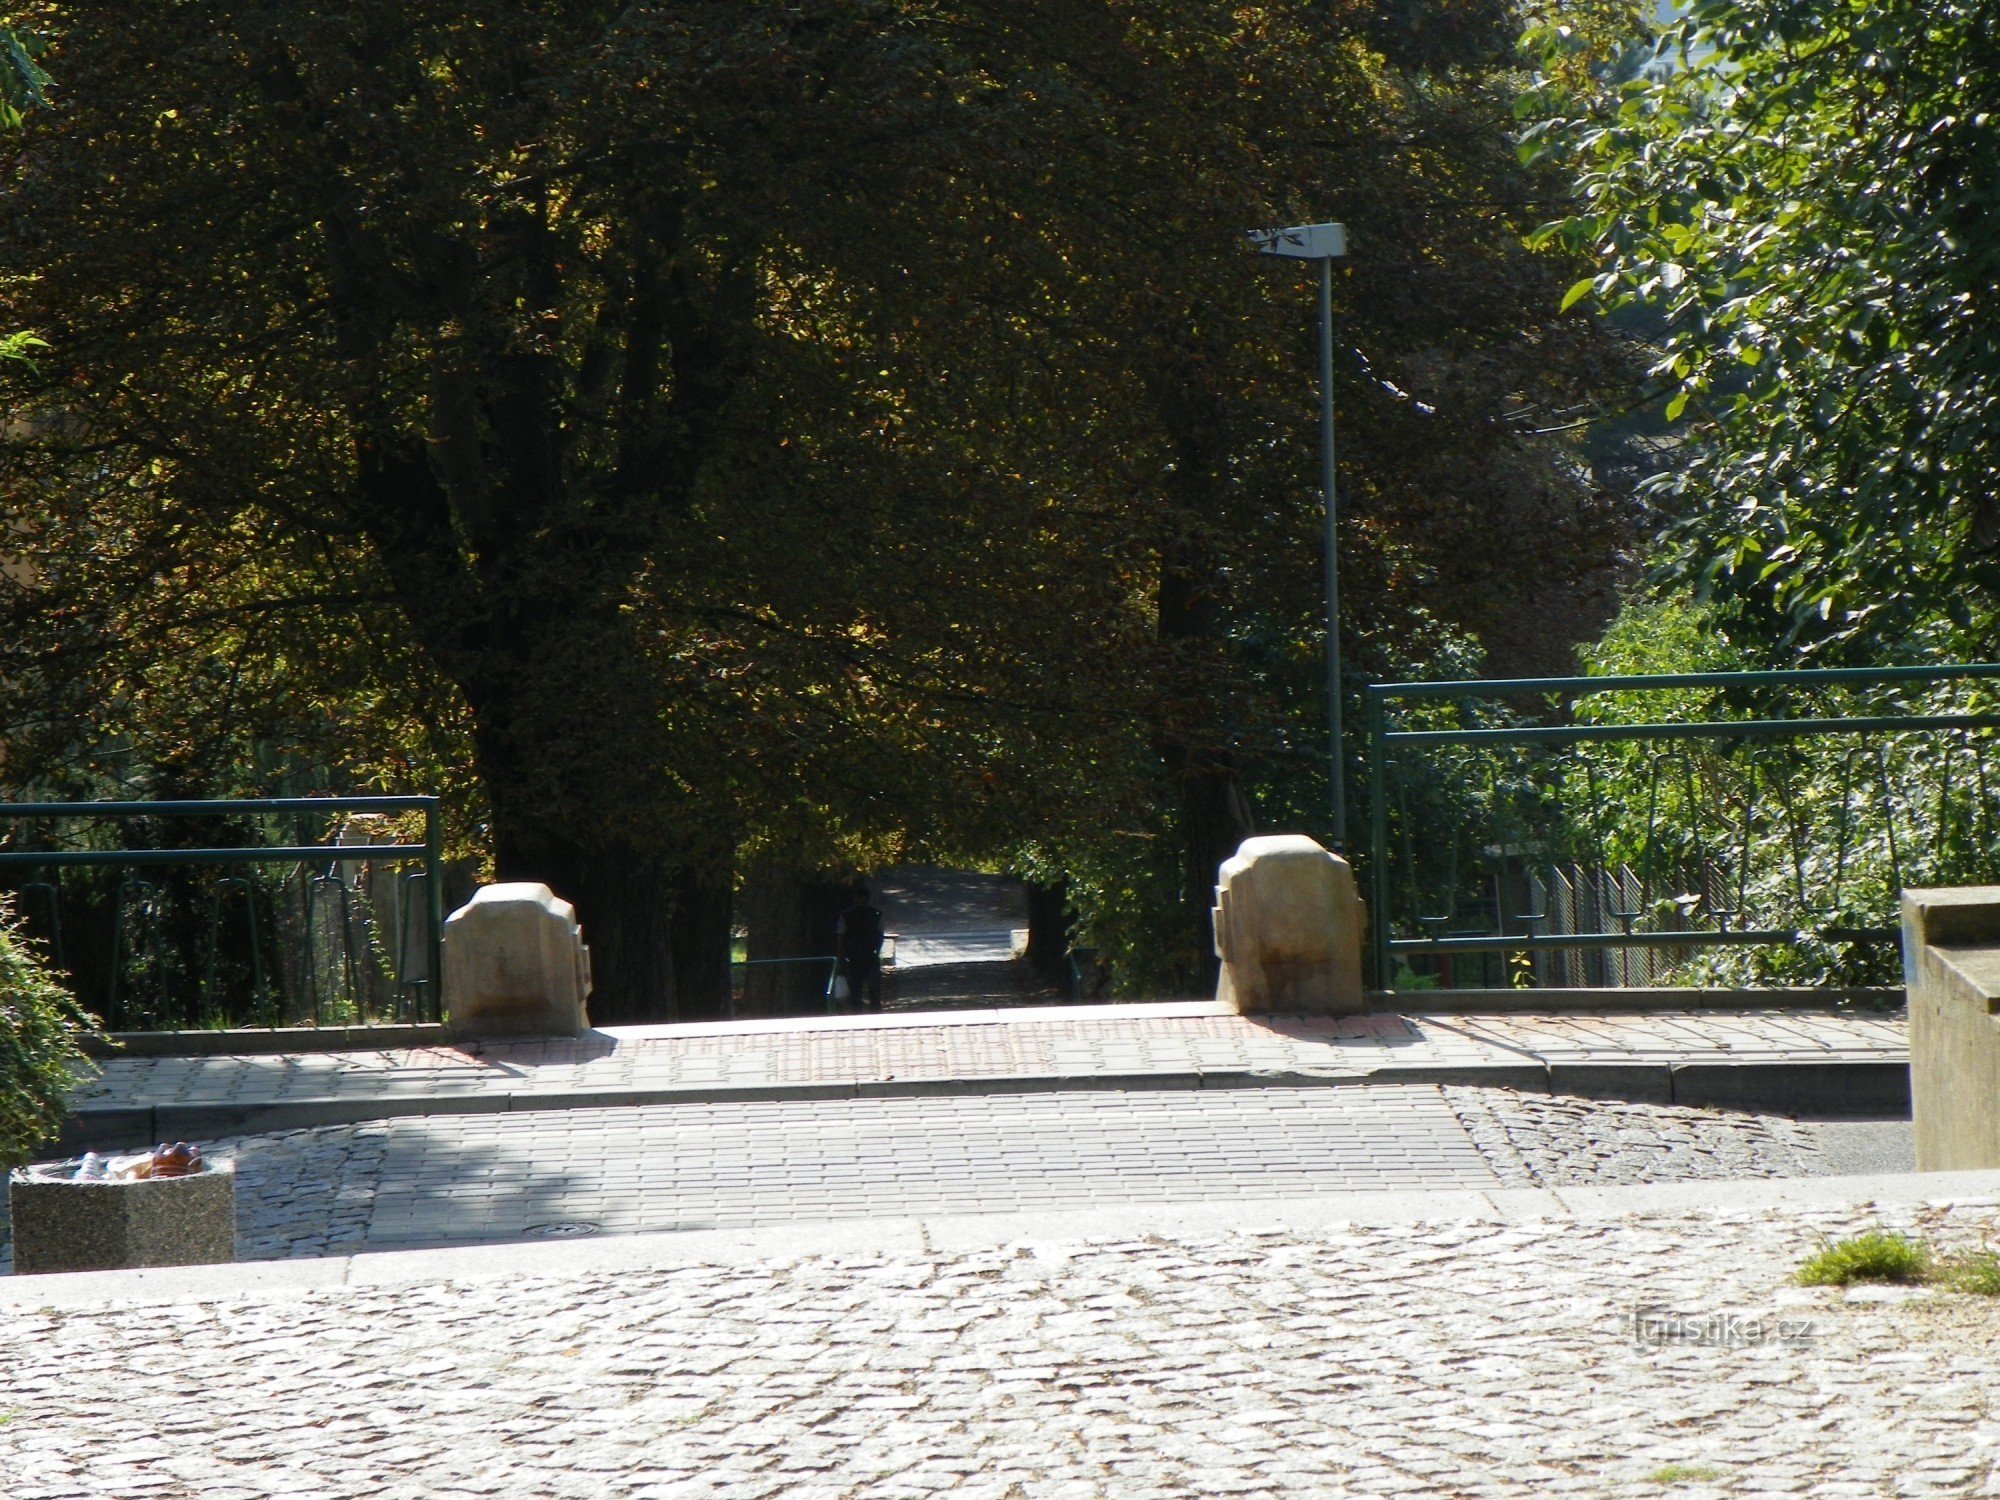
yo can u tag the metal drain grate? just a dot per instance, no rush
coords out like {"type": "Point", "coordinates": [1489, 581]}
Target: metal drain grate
{"type": "Point", "coordinates": [564, 1231]}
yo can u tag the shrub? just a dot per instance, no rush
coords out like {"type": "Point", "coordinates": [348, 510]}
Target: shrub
{"type": "Point", "coordinates": [1875, 1256]}
{"type": "Point", "coordinates": [41, 1034]}
{"type": "Point", "coordinates": [1977, 1272]}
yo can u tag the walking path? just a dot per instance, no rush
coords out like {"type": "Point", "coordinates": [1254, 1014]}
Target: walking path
{"type": "Point", "coordinates": [1771, 1058]}
{"type": "Point", "coordinates": [565, 1174]}
{"type": "Point", "coordinates": [915, 950]}
{"type": "Point", "coordinates": [1454, 1345]}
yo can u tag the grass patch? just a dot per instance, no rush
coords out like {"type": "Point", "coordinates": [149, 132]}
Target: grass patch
{"type": "Point", "coordinates": [1875, 1256]}
{"type": "Point", "coordinates": [1880, 1255]}
{"type": "Point", "coordinates": [1685, 1474]}
{"type": "Point", "coordinates": [1977, 1272]}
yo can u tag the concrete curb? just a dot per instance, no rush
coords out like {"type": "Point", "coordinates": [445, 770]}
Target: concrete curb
{"type": "Point", "coordinates": [1793, 1086]}
{"type": "Point", "coordinates": [1634, 1000]}
{"type": "Point", "coordinates": [614, 1254]}
{"type": "Point", "coordinates": [261, 1041]}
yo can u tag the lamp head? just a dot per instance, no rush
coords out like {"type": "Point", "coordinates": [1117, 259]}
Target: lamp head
{"type": "Point", "coordinates": [1302, 241]}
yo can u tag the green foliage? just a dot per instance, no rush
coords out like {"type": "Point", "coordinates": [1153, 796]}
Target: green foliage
{"type": "Point", "coordinates": [1976, 1272]}
{"type": "Point", "coordinates": [1881, 1255]}
{"type": "Point", "coordinates": [1817, 835]}
{"type": "Point", "coordinates": [1802, 201]}
{"type": "Point", "coordinates": [41, 1030]}
{"type": "Point", "coordinates": [1878, 1255]}
{"type": "Point", "coordinates": [21, 84]}
{"type": "Point", "coordinates": [1665, 631]}
{"type": "Point", "coordinates": [22, 81]}
{"type": "Point", "coordinates": [1125, 889]}
{"type": "Point", "coordinates": [710, 438]}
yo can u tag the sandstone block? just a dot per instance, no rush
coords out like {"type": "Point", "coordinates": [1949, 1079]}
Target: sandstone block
{"type": "Point", "coordinates": [515, 965]}
{"type": "Point", "coordinates": [1288, 927]}
{"type": "Point", "coordinates": [1951, 967]}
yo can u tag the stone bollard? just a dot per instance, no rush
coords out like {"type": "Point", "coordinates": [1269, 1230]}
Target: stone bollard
{"type": "Point", "coordinates": [1288, 928]}
{"type": "Point", "coordinates": [515, 965]}
{"type": "Point", "coordinates": [1951, 968]}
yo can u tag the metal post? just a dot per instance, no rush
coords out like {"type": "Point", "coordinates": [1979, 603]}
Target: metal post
{"type": "Point", "coordinates": [1323, 243]}
{"type": "Point", "coordinates": [1378, 842]}
{"type": "Point", "coordinates": [1339, 751]}
{"type": "Point", "coordinates": [434, 903]}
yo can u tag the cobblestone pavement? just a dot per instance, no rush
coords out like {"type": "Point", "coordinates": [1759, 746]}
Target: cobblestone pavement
{"type": "Point", "coordinates": [1535, 1140]}
{"type": "Point", "coordinates": [468, 1179]}
{"type": "Point", "coordinates": [1182, 1038]}
{"type": "Point", "coordinates": [1441, 1360]}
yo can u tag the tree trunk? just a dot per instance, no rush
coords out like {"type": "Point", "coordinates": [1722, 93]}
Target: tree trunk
{"type": "Point", "coordinates": [791, 916]}
{"type": "Point", "coordinates": [700, 936]}
{"type": "Point", "coordinates": [1049, 923]}
{"type": "Point", "coordinates": [1212, 813]}
{"type": "Point", "coordinates": [1214, 820]}
{"type": "Point", "coordinates": [1193, 736]}
{"type": "Point", "coordinates": [624, 899]}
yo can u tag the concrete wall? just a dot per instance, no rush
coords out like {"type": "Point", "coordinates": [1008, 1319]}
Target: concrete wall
{"type": "Point", "coordinates": [1951, 965]}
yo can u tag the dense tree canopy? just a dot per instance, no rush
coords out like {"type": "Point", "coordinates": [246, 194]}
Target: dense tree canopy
{"type": "Point", "coordinates": [716, 438]}
{"type": "Point", "coordinates": [1807, 196]}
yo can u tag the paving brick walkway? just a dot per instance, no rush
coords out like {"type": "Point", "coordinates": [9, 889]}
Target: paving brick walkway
{"type": "Point", "coordinates": [479, 1179]}
{"type": "Point", "coordinates": [679, 1167]}
{"type": "Point", "coordinates": [1185, 1042]}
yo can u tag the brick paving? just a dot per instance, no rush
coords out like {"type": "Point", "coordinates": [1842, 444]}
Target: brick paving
{"type": "Point", "coordinates": [1187, 1040]}
{"type": "Point", "coordinates": [694, 1167]}
{"type": "Point", "coordinates": [1450, 1360]}
{"type": "Point", "coordinates": [472, 1179]}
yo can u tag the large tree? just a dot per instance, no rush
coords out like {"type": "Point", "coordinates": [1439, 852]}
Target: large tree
{"type": "Point", "coordinates": [1801, 203]}
{"type": "Point", "coordinates": [22, 82]}
{"type": "Point", "coordinates": [740, 428]}
{"type": "Point", "coordinates": [513, 338]}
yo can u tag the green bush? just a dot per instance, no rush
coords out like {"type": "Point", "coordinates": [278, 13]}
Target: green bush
{"type": "Point", "coordinates": [1977, 1272]}
{"type": "Point", "coordinates": [41, 1034]}
{"type": "Point", "coordinates": [1881, 1255]}
{"type": "Point", "coordinates": [1875, 1256]}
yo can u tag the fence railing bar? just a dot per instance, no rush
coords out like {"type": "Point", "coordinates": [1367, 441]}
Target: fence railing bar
{"type": "Point", "coordinates": [352, 938]}
{"type": "Point", "coordinates": [1733, 937]}
{"type": "Point", "coordinates": [234, 806]}
{"type": "Point", "coordinates": [1707, 729]}
{"type": "Point", "coordinates": [1502, 687]}
{"type": "Point", "coordinates": [269, 855]}
{"type": "Point", "coordinates": [1751, 809]}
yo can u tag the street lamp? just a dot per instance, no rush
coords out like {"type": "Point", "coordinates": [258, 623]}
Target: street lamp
{"type": "Point", "coordinates": [1324, 243]}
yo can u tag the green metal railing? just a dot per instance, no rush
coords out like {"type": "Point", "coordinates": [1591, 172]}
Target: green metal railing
{"type": "Point", "coordinates": [130, 921]}
{"type": "Point", "coordinates": [1607, 830]}
{"type": "Point", "coordinates": [809, 979]}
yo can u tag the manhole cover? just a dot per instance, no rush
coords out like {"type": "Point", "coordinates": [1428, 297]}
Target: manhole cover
{"type": "Point", "coordinates": [564, 1231]}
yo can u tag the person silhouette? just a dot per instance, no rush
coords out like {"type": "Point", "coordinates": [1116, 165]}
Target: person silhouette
{"type": "Point", "coordinates": [858, 944]}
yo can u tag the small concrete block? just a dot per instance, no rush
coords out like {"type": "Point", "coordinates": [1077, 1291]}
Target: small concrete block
{"type": "Point", "coordinates": [1288, 928]}
{"type": "Point", "coordinates": [515, 965]}
{"type": "Point", "coordinates": [114, 1226]}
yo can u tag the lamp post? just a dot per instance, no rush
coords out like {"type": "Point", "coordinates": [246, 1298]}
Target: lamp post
{"type": "Point", "coordinates": [1324, 243]}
